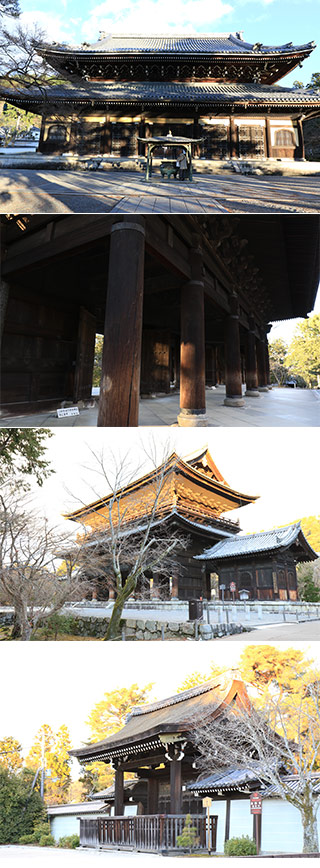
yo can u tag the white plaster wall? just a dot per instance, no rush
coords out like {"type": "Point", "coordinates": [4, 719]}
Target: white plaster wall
{"type": "Point", "coordinates": [64, 825]}
{"type": "Point", "coordinates": [241, 821]}
{"type": "Point", "coordinates": [219, 809]}
{"type": "Point", "coordinates": [281, 827]}
{"type": "Point", "coordinates": [129, 811]}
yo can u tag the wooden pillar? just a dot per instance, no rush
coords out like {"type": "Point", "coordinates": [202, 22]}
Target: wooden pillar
{"type": "Point", "coordinates": [153, 788]}
{"type": "Point", "coordinates": [301, 149]}
{"type": "Point", "coordinates": [118, 801]}
{"type": "Point", "coordinates": [251, 362]}
{"type": "Point", "coordinates": [268, 138]}
{"type": "Point", "coordinates": [142, 134]}
{"type": "Point", "coordinates": [155, 591]}
{"type": "Point", "coordinates": [41, 145]}
{"type": "Point", "coordinates": [261, 359]}
{"type": "Point", "coordinates": [4, 296]}
{"type": "Point", "coordinates": [175, 787]}
{"type": "Point", "coordinates": [175, 587]}
{"type": "Point", "coordinates": [120, 381]}
{"type": "Point", "coordinates": [192, 351]}
{"type": "Point", "coordinates": [233, 378]}
{"type": "Point", "coordinates": [227, 822]}
{"type": "Point", "coordinates": [233, 139]}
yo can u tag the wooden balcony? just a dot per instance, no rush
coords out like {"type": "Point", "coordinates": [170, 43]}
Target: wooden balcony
{"type": "Point", "coordinates": [152, 833]}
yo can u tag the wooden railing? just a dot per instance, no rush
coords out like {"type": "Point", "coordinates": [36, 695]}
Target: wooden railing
{"type": "Point", "coordinates": [151, 832]}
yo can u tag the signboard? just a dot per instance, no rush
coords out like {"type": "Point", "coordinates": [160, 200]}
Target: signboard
{"type": "Point", "coordinates": [233, 587]}
{"type": "Point", "coordinates": [68, 411]}
{"type": "Point", "coordinates": [207, 802]}
{"type": "Point", "coordinates": [255, 803]}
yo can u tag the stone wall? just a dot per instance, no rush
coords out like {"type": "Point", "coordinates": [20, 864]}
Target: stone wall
{"type": "Point", "coordinates": [141, 629]}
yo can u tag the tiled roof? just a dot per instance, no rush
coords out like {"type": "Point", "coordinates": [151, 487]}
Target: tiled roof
{"type": "Point", "coordinates": [78, 809]}
{"type": "Point", "coordinates": [161, 92]}
{"type": "Point", "coordinates": [201, 43]}
{"type": "Point", "coordinates": [231, 779]}
{"type": "Point", "coordinates": [254, 542]}
{"type": "Point", "coordinates": [175, 715]}
{"type": "Point", "coordinates": [294, 785]}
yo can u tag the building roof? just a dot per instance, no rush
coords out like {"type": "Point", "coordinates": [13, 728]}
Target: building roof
{"type": "Point", "coordinates": [192, 486]}
{"type": "Point", "coordinates": [259, 543]}
{"type": "Point", "coordinates": [77, 809]}
{"type": "Point", "coordinates": [174, 716]}
{"type": "Point", "coordinates": [233, 778]}
{"type": "Point", "coordinates": [163, 93]}
{"type": "Point", "coordinates": [186, 44]}
{"type": "Point", "coordinates": [109, 793]}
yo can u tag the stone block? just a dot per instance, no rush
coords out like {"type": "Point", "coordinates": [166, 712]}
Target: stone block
{"type": "Point", "coordinates": [151, 626]}
{"type": "Point", "coordinates": [131, 623]}
{"type": "Point", "coordinates": [141, 625]}
{"type": "Point", "coordinates": [205, 630]}
{"type": "Point", "coordinates": [188, 629]}
{"type": "Point", "coordinates": [139, 634]}
{"type": "Point", "coordinates": [174, 627]}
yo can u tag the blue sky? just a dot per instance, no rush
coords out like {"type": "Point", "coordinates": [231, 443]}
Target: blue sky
{"type": "Point", "coordinates": [269, 21]}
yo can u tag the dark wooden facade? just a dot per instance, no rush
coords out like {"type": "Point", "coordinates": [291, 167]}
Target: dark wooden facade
{"type": "Point", "coordinates": [262, 566]}
{"type": "Point", "coordinates": [216, 87]}
{"type": "Point", "coordinates": [191, 498]}
{"type": "Point", "coordinates": [182, 302]}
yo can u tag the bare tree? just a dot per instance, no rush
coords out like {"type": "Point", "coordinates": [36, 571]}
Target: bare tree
{"type": "Point", "coordinates": [279, 743]}
{"type": "Point", "coordinates": [32, 578]}
{"type": "Point", "coordinates": [132, 535]}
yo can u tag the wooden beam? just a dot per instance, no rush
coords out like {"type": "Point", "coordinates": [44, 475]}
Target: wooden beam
{"type": "Point", "coordinates": [72, 234]}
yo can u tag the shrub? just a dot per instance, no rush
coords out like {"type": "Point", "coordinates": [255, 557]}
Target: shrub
{"type": "Point", "coordinates": [47, 841]}
{"type": "Point", "coordinates": [70, 842]}
{"type": "Point", "coordinates": [188, 838]}
{"type": "Point", "coordinates": [244, 846]}
{"type": "Point", "coordinates": [26, 839]}
{"type": "Point", "coordinates": [40, 830]}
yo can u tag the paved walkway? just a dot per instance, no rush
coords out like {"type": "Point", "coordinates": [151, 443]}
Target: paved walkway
{"type": "Point", "coordinates": [45, 191]}
{"type": "Point", "coordinates": [277, 408]}
{"type": "Point", "coordinates": [308, 631]}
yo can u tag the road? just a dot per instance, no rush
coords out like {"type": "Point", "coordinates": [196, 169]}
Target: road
{"type": "Point", "coordinates": [307, 631]}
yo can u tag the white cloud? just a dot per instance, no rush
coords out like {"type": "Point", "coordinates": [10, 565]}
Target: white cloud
{"type": "Point", "coordinates": [154, 16]}
{"type": "Point", "coordinates": [55, 27]}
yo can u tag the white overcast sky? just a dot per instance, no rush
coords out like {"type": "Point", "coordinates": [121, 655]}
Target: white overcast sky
{"type": "Point", "coordinates": [281, 465]}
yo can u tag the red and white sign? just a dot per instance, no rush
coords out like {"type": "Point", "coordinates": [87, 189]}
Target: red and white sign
{"type": "Point", "coordinates": [255, 803]}
{"type": "Point", "coordinates": [233, 587]}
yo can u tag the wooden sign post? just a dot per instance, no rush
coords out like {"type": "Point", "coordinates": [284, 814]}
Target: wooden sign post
{"type": "Point", "coordinates": [256, 810]}
{"type": "Point", "coordinates": [207, 802]}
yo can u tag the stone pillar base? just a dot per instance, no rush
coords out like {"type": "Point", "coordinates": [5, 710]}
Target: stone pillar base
{"type": "Point", "coordinates": [270, 387]}
{"type": "Point", "coordinates": [192, 419]}
{"type": "Point", "coordinates": [252, 393]}
{"type": "Point", "coordinates": [234, 401]}
{"type": "Point", "coordinates": [263, 388]}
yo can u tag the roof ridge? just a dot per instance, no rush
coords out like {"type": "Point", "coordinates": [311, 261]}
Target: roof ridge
{"type": "Point", "coordinates": [192, 692]}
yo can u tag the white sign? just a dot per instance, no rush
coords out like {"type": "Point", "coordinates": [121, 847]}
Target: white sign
{"type": "Point", "coordinates": [68, 411]}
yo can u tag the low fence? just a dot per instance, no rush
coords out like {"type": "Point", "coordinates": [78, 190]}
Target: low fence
{"type": "Point", "coordinates": [153, 832]}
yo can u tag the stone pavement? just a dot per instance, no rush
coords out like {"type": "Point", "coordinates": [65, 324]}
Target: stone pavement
{"type": "Point", "coordinates": [277, 408]}
{"type": "Point", "coordinates": [308, 631]}
{"type": "Point", "coordinates": [117, 191]}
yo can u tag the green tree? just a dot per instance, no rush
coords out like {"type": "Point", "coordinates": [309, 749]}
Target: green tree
{"type": "Point", "coordinates": [10, 7]}
{"type": "Point", "coordinates": [107, 717]}
{"type": "Point", "coordinates": [57, 762]}
{"type": "Point", "coordinates": [10, 754]}
{"type": "Point", "coordinates": [304, 351]}
{"type": "Point", "coordinates": [277, 356]}
{"type": "Point", "coordinates": [14, 121]}
{"type": "Point", "coordinates": [23, 451]}
{"type": "Point", "coordinates": [97, 366]}
{"type": "Point", "coordinates": [20, 806]}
